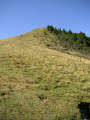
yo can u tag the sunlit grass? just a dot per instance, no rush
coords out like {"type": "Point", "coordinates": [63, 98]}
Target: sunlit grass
{"type": "Point", "coordinates": [39, 83]}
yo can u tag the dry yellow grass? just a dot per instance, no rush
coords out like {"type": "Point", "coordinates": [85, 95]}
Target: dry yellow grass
{"type": "Point", "coordinates": [39, 83]}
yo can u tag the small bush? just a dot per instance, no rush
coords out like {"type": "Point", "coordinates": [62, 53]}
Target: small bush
{"type": "Point", "coordinates": [45, 33]}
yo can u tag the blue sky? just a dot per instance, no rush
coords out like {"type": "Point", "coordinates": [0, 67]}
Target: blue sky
{"type": "Point", "coordinates": [21, 16]}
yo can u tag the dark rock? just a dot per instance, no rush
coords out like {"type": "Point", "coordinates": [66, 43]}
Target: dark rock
{"type": "Point", "coordinates": [47, 45]}
{"type": "Point", "coordinates": [84, 110]}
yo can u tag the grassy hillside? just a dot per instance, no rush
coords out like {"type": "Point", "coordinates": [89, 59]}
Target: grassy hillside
{"type": "Point", "coordinates": [39, 80]}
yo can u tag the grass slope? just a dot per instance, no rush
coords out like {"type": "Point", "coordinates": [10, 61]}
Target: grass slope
{"type": "Point", "coordinates": [38, 83]}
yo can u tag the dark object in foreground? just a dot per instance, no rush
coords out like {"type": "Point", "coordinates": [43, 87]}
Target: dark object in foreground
{"type": "Point", "coordinates": [84, 110]}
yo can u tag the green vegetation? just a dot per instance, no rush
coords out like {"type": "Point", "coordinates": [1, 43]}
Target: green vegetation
{"type": "Point", "coordinates": [77, 41]}
{"type": "Point", "coordinates": [39, 81]}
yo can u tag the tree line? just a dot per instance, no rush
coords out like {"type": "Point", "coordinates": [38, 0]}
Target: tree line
{"type": "Point", "coordinates": [78, 40]}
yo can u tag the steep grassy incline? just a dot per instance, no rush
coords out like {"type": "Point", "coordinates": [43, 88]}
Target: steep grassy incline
{"type": "Point", "coordinates": [39, 82]}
